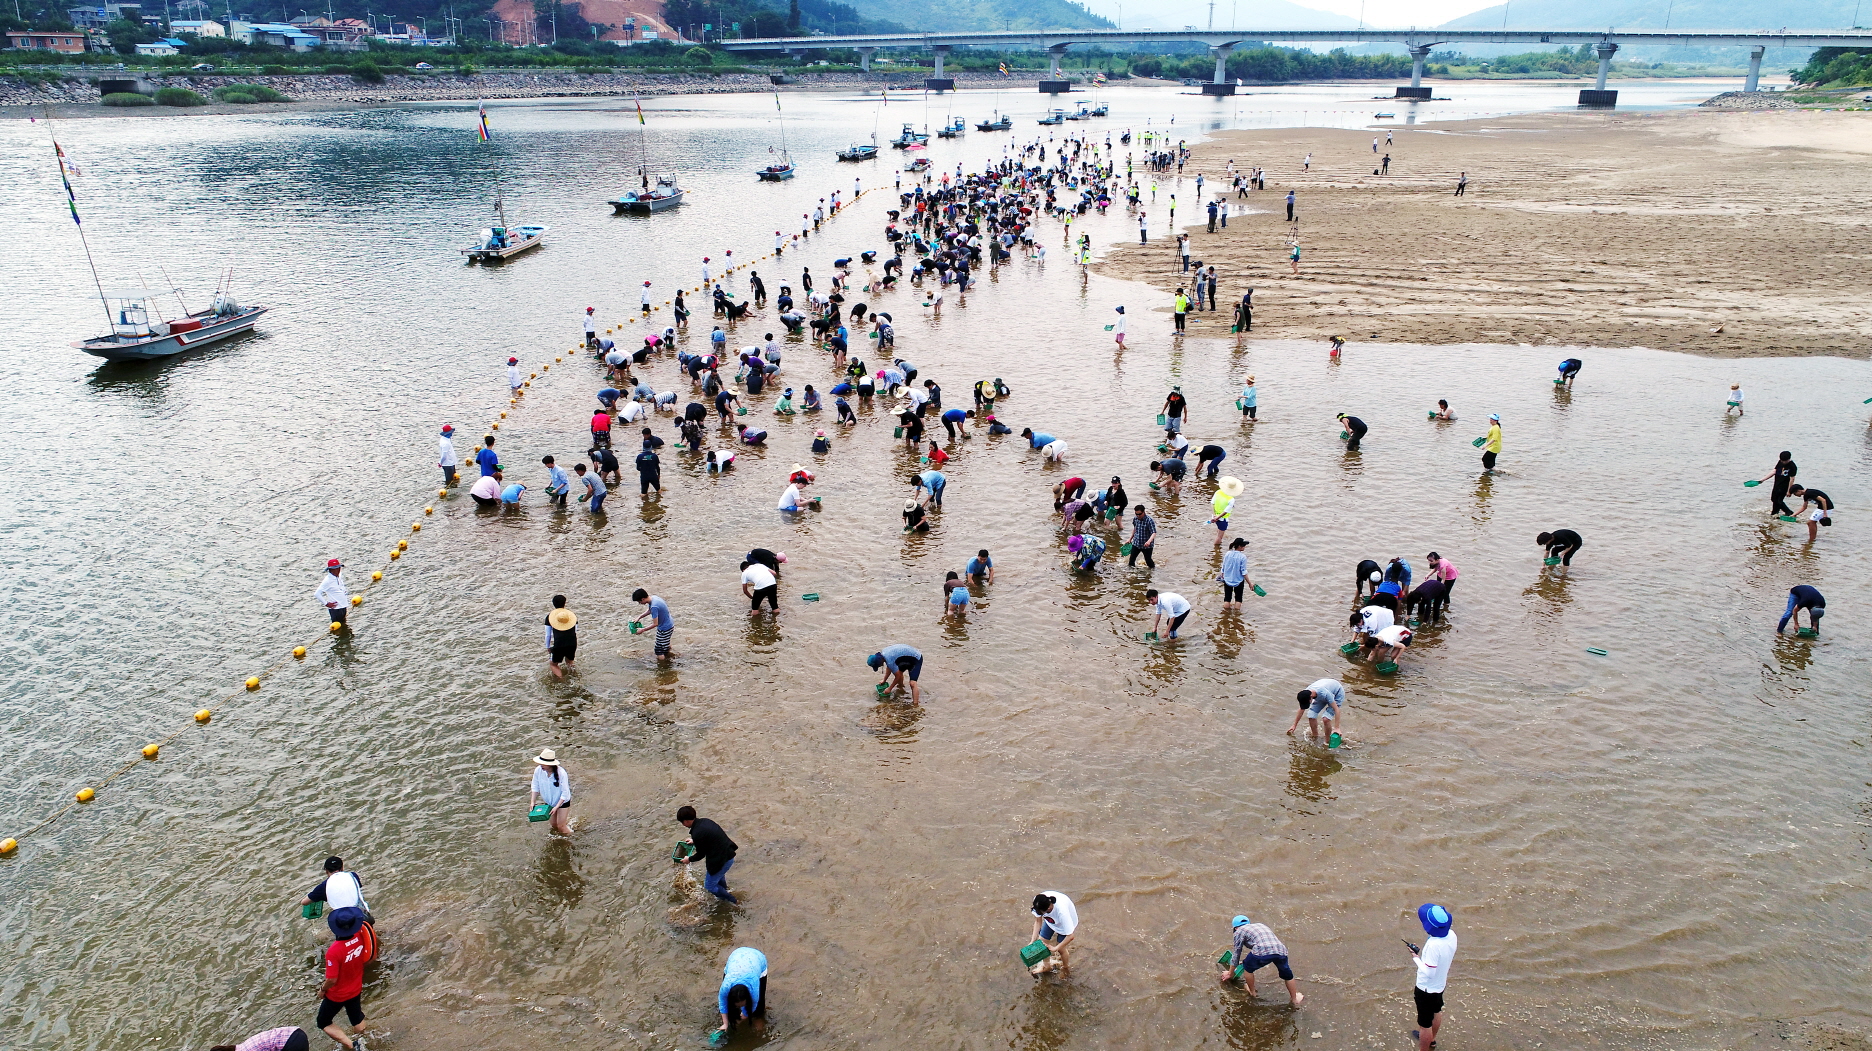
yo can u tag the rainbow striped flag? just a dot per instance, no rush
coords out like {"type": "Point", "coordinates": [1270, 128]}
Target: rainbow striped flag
{"type": "Point", "coordinates": [71, 199]}
{"type": "Point", "coordinates": [481, 124]}
{"type": "Point", "coordinates": [1004, 69]}
{"type": "Point", "coordinates": [640, 116]}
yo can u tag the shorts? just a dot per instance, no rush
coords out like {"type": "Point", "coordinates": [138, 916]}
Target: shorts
{"type": "Point", "coordinates": [958, 596]}
{"type": "Point", "coordinates": [663, 640]}
{"type": "Point", "coordinates": [1232, 592]}
{"type": "Point", "coordinates": [1049, 935]}
{"type": "Point", "coordinates": [1253, 963]}
{"type": "Point", "coordinates": [353, 1009]}
{"type": "Point", "coordinates": [564, 652]}
{"type": "Point", "coordinates": [916, 670]}
{"type": "Point", "coordinates": [1429, 1005]}
{"type": "Point", "coordinates": [1323, 710]}
{"type": "Point", "coordinates": [1221, 525]}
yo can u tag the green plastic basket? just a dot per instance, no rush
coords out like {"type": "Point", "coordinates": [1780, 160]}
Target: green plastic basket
{"type": "Point", "coordinates": [1258, 592]}
{"type": "Point", "coordinates": [1751, 483]}
{"type": "Point", "coordinates": [312, 910]}
{"type": "Point", "coordinates": [1345, 435]}
{"type": "Point", "coordinates": [1806, 633]}
{"type": "Point", "coordinates": [1335, 740]}
{"type": "Point", "coordinates": [810, 596]}
{"type": "Point", "coordinates": [1387, 668]}
{"type": "Point", "coordinates": [1550, 561]}
{"type": "Point", "coordinates": [1348, 649]}
{"type": "Point", "coordinates": [896, 432]}
{"type": "Point", "coordinates": [1478, 442]}
{"type": "Point", "coordinates": [1124, 550]}
{"type": "Point", "coordinates": [1162, 420]}
{"type": "Point", "coordinates": [1034, 952]}
{"type": "Point", "coordinates": [540, 812]}
{"type": "Point", "coordinates": [683, 852]}
{"type": "Point", "coordinates": [1787, 518]}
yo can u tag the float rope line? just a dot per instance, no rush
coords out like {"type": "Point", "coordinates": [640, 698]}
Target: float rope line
{"type": "Point", "coordinates": [150, 751]}
{"type": "Point", "coordinates": [203, 716]}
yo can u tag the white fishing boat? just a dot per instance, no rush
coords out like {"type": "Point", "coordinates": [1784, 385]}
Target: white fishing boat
{"type": "Point", "coordinates": [135, 337]}
{"type": "Point", "coordinates": [504, 242]}
{"type": "Point", "coordinates": [665, 194]}
{"type": "Point", "coordinates": [647, 198]}
{"type": "Point", "coordinates": [782, 167]}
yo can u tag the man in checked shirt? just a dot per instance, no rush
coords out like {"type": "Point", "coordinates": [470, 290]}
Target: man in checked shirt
{"type": "Point", "coordinates": [1256, 947]}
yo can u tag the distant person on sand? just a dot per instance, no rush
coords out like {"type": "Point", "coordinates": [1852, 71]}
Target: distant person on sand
{"type": "Point", "coordinates": [1290, 203]}
{"type": "Point", "coordinates": [1254, 948]}
{"type": "Point", "coordinates": [1462, 184]}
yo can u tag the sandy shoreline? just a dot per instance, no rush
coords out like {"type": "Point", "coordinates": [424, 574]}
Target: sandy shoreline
{"type": "Point", "coordinates": [1717, 233]}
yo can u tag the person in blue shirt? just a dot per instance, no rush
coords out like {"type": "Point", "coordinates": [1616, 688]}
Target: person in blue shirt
{"type": "Point", "coordinates": [980, 569]}
{"type": "Point", "coordinates": [1091, 550]}
{"type": "Point", "coordinates": [1803, 597]}
{"type": "Point", "coordinates": [1399, 571]}
{"type": "Point", "coordinates": [897, 662]}
{"type": "Point", "coordinates": [811, 402]}
{"type": "Point", "coordinates": [510, 493]}
{"type": "Point", "coordinates": [743, 995]}
{"type": "Point", "coordinates": [996, 427]}
{"type": "Point", "coordinates": [955, 421]}
{"type": "Point", "coordinates": [1036, 439]}
{"type": "Point", "coordinates": [609, 397]}
{"type": "Point", "coordinates": [487, 458]}
{"type": "Point", "coordinates": [935, 483]}
{"type": "Point", "coordinates": [557, 484]}
{"type": "Point", "coordinates": [1234, 575]}
{"type": "Point", "coordinates": [659, 614]}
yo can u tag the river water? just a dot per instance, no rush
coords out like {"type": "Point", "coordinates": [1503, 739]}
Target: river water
{"type": "Point", "coordinates": [1660, 847]}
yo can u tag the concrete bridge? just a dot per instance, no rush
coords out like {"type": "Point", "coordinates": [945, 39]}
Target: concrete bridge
{"type": "Point", "coordinates": [1221, 43]}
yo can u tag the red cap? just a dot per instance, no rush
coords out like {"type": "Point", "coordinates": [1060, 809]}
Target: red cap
{"type": "Point", "coordinates": [334, 564]}
{"type": "Point", "coordinates": [448, 428]}
{"type": "Point", "coordinates": [513, 361]}
{"type": "Point", "coordinates": [646, 284]}
{"type": "Point", "coordinates": [590, 309]}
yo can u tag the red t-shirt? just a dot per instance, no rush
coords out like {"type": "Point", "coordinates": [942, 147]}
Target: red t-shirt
{"type": "Point", "coordinates": [344, 967]}
{"type": "Point", "coordinates": [601, 421]}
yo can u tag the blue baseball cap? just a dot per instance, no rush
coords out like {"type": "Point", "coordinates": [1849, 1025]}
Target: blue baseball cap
{"type": "Point", "coordinates": [1435, 919]}
{"type": "Point", "coordinates": [1237, 922]}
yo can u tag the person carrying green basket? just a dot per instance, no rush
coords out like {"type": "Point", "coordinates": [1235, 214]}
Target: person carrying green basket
{"type": "Point", "coordinates": [1490, 443]}
{"type": "Point", "coordinates": [1055, 924]}
{"type": "Point", "coordinates": [1255, 947]}
{"type": "Point", "coordinates": [552, 786]}
{"type": "Point", "coordinates": [1234, 574]}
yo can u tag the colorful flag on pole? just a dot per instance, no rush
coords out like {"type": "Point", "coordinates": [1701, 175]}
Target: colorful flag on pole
{"type": "Point", "coordinates": [776, 102]}
{"type": "Point", "coordinates": [481, 124]}
{"type": "Point", "coordinates": [71, 199]}
{"type": "Point", "coordinates": [640, 116]}
{"type": "Point", "coordinates": [1098, 78]}
{"type": "Point", "coordinates": [1004, 69]}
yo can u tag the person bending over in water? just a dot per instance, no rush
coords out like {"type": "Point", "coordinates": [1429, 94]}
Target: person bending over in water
{"type": "Point", "coordinates": [1562, 544]}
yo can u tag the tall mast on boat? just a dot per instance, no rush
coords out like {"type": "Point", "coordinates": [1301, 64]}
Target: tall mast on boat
{"type": "Point", "coordinates": [786, 157]}
{"type": "Point", "coordinates": [71, 202]}
{"type": "Point", "coordinates": [481, 130]}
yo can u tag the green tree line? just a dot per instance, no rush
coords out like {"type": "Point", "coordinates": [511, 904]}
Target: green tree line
{"type": "Point", "coordinates": [1835, 67]}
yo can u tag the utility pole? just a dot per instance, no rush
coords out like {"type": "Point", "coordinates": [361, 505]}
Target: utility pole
{"type": "Point", "coordinates": [1212, 14]}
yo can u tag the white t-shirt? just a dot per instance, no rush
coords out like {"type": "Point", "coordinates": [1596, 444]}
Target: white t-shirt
{"type": "Point", "coordinates": [342, 891]}
{"type": "Point", "coordinates": [1171, 604]}
{"type": "Point", "coordinates": [1065, 917]}
{"type": "Point", "coordinates": [1395, 635]}
{"type": "Point", "coordinates": [1433, 963]}
{"type": "Point", "coordinates": [790, 500]}
{"type": "Point", "coordinates": [758, 575]}
{"type": "Point", "coordinates": [1377, 618]}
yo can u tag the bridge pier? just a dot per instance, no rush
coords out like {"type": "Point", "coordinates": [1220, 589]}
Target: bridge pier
{"type": "Point", "coordinates": [938, 82]}
{"type": "Point", "coordinates": [864, 58]}
{"type": "Point", "coordinates": [1418, 52]}
{"type": "Point", "coordinates": [1753, 83]}
{"type": "Point", "coordinates": [1598, 95]}
{"type": "Point", "coordinates": [1054, 84]}
{"type": "Point", "coordinates": [1221, 85]}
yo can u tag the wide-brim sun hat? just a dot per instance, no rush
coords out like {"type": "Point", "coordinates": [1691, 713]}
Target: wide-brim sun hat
{"type": "Point", "coordinates": [562, 619]}
{"type": "Point", "coordinates": [1230, 485]}
{"type": "Point", "coordinates": [546, 758]}
{"type": "Point", "coordinates": [1435, 918]}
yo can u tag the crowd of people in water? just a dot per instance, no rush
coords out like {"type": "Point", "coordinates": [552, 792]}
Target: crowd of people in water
{"type": "Point", "coordinates": [941, 232]}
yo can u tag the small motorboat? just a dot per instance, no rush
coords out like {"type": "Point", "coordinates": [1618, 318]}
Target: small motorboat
{"type": "Point", "coordinates": [858, 152]}
{"type": "Point", "coordinates": [504, 242]}
{"type": "Point", "coordinates": [1084, 112]}
{"type": "Point", "coordinates": [953, 129]}
{"type": "Point", "coordinates": [1383, 116]}
{"type": "Point", "coordinates": [1002, 122]}
{"type": "Point", "coordinates": [1103, 109]}
{"type": "Point", "coordinates": [909, 136]}
{"type": "Point", "coordinates": [133, 337]}
{"type": "Point", "coordinates": [776, 172]}
{"type": "Point", "coordinates": [665, 194]}
{"type": "Point", "coordinates": [1057, 116]}
{"type": "Point", "coordinates": [921, 164]}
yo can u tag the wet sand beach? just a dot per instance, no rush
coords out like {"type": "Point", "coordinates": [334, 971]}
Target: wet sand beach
{"type": "Point", "coordinates": [1715, 233]}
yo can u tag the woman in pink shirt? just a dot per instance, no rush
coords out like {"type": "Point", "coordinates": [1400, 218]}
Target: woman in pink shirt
{"type": "Point", "coordinates": [1443, 569]}
{"type": "Point", "coordinates": [289, 1038]}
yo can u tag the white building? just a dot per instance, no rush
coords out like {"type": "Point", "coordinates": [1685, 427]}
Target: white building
{"type": "Point", "coordinates": [203, 29]}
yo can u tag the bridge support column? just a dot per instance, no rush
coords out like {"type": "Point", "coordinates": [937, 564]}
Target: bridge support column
{"type": "Point", "coordinates": [1598, 95]}
{"type": "Point", "coordinates": [1753, 83]}
{"type": "Point", "coordinates": [1418, 52]}
{"type": "Point", "coordinates": [938, 82]}
{"type": "Point", "coordinates": [1053, 84]}
{"type": "Point", "coordinates": [864, 58]}
{"type": "Point", "coordinates": [1220, 85]}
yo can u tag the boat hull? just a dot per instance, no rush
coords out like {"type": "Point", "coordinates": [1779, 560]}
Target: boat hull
{"type": "Point", "coordinates": [644, 206]}
{"type": "Point", "coordinates": [115, 348]}
{"type": "Point", "coordinates": [858, 155]}
{"type": "Point", "coordinates": [774, 174]}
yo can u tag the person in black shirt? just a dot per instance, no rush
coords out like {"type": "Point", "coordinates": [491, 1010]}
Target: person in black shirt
{"type": "Point", "coordinates": [651, 441]}
{"type": "Point", "coordinates": [1562, 544]}
{"type": "Point", "coordinates": [758, 287]}
{"type": "Point", "coordinates": [1568, 370]}
{"type": "Point", "coordinates": [713, 848]}
{"type": "Point", "coordinates": [1368, 574]}
{"type": "Point", "coordinates": [1822, 513]}
{"type": "Point", "coordinates": [1783, 475]}
{"type": "Point", "coordinates": [766, 558]}
{"type": "Point", "coordinates": [649, 472]}
{"type": "Point", "coordinates": [1355, 429]}
{"type": "Point", "coordinates": [606, 463]}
